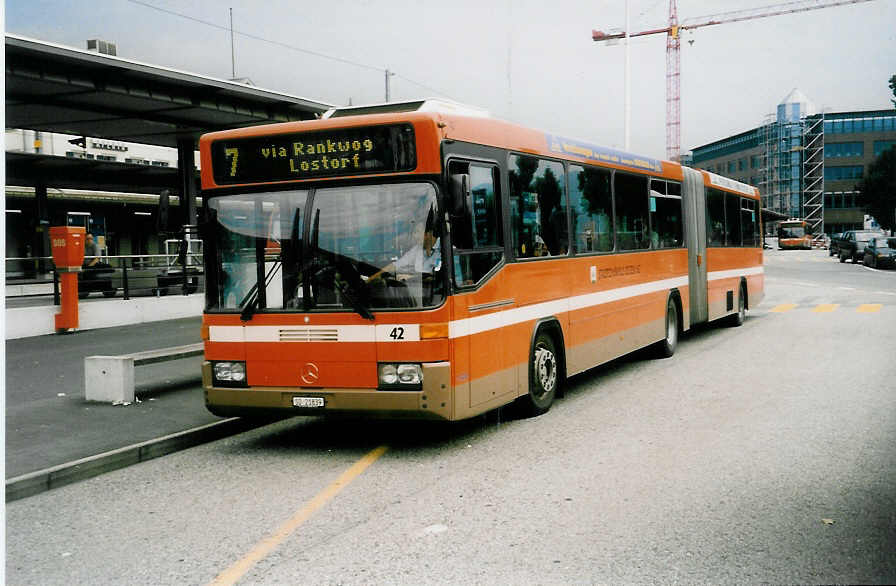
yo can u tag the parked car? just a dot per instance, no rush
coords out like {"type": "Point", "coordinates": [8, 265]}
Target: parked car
{"type": "Point", "coordinates": [880, 253]}
{"type": "Point", "coordinates": [852, 245]}
{"type": "Point", "coordinates": [833, 247]}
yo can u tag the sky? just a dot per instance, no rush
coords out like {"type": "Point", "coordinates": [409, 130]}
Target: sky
{"type": "Point", "coordinates": [530, 62]}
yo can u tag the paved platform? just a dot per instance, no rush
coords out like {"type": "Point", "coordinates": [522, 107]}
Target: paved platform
{"type": "Point", "coordinates": [34, 316]}
{"type": "Point", "coordinates": [53, 435]}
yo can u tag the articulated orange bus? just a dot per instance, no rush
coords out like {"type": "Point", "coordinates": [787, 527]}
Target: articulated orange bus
{"type": "Point", "coordinates": [413, 260]}
{"type": "Point", "coordinates": [794, 233]}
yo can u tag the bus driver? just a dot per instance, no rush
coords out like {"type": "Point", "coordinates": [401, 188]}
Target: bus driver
{"type": "Point", "coordinates": [417, 266]}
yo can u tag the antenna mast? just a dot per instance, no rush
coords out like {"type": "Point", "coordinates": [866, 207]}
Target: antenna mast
{"type": "Point", "coordinates": [232, 53]}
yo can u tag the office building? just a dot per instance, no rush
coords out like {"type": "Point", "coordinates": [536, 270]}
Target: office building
{"type": "Point", "coordinates": [806, 163]}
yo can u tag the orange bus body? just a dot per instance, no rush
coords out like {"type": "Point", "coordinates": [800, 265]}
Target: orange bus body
{"type": "Point", "coordinates": [476, 348]}
{"type": "Point", "coordinates": [788, 241]}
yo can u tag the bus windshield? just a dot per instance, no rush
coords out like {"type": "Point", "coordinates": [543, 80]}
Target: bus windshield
{"type": "Point", "coordinates": [792, 232]}
{"type": "Point", "coordinates": [358, 248]}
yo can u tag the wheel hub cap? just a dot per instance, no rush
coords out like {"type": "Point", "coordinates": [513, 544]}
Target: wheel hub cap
{"type": "Point", "coordinates": [546, 368]}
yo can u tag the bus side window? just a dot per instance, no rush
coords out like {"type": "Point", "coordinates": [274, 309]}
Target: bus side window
{"type": "Point", "coordinates": [665, 214]}
{"type": "Point", "coordinates": [591, 206]}
{"type": "Point", "coordinates": [732, 217]}
{"type": "Point", "coordinates": [715, 218]}
{"type": "Point", "coordinates": [476, 226]}
{"type": "Point", "coordinates": [630, 192]}
{"type": "Point", "coordinates": [748, 222]}
{"type": "Point", "coordinates": [538, 207]}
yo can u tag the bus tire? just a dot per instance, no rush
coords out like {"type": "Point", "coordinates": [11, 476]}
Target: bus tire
{"type": "Point", "coordinates": [736, 319]}
{"type": "Point", "coordinates": [665, 348]}
{"type": "Point", "coordinates": [544, 377]}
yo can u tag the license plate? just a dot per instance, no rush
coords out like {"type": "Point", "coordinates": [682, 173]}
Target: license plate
{"type": "Point", "coordinates": [307, 401]}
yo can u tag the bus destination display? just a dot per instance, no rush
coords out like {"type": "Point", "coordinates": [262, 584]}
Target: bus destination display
{"type": "Point", "coordinates": [339, 152]}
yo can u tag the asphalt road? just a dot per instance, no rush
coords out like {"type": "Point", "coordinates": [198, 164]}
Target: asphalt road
{"type": "Point", "coordinates": [765, 453]}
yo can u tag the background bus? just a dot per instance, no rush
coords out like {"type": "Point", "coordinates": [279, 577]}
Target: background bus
{"type": "Point", "coordinates": [794, 234]}
{"type": "Point", "coordinates": [415, 261]}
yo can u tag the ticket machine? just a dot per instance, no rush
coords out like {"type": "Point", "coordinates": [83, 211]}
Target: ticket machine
{"type": "Point", "coordinates": [68, 254]}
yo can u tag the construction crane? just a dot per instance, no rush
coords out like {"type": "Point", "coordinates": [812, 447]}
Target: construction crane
{"type": "Point", "coordinates": [673, 50]}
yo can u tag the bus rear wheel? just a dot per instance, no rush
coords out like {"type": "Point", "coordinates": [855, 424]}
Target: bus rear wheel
{"type": "Point", "coordinates": [666, 347]}
{"type": "Point", "coordinates": [544, 377]}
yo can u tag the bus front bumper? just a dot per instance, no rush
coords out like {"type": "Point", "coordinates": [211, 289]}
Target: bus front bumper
{"type": "Point", "coordinates": [433, 401]}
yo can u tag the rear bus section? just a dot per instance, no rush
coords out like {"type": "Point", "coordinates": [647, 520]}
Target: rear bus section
{"type": "Point", "coordinates": [735, 277]}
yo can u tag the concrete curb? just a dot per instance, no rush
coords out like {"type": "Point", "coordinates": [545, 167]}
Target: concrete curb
{"type": "Point", "coordinates": [43, 480]}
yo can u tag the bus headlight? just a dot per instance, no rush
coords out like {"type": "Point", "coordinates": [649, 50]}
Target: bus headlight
{"type": "Point", "coordinates": [388, 374]}
{"type": "Point", "coordinates": [407, 377]}
{"type": "Point", "coordinates": [232, 374]}
{"type": "Point", "coordinates": [410, 374]}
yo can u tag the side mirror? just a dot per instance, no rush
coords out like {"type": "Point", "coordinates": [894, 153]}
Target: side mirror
{"type": "Point", "coordinates": [459, 189]}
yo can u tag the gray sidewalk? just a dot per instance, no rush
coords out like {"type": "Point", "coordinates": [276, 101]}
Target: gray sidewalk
{"type": "Point", "coordinates": [50, 424]}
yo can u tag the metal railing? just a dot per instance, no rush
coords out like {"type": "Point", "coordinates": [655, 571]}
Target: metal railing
{"type": "Point", "coordinates": [132, 275]}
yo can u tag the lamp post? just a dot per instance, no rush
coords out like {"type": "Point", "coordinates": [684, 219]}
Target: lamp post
{"type": "Point", "coordinates": [628, 103]}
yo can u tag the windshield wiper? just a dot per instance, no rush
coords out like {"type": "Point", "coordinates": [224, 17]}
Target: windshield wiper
{"type": "Point", "coordinates": [250, 301]}
{"type": "Point", "coordinates": [346, 291]}
{"type": "Point", "coordinates": [348, 286]}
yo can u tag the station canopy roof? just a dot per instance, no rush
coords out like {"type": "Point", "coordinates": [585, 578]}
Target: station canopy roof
{"type": "Point", "coordinates": [52, 88]}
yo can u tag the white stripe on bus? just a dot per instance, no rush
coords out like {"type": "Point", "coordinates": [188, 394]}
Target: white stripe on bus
{"type": "Point", "coordinates": [716, 275]}
{"type": "Point", "coordinates": [467, 326]}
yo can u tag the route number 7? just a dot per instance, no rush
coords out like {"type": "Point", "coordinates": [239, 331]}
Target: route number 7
{"type": "Point", "coordinates": [233, 154]}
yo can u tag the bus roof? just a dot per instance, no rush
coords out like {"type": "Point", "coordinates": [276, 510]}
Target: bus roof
{"type": "Point", "coordinates": [479, 129]}
{"type": "Point", "coordinates": [731, 185]}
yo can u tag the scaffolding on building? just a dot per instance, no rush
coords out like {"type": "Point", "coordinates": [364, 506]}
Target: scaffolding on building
{"type": "Point", "coordinates": [792, 169]}
{"type": "Point", "coordinates": [813, 176]}
{"type": "Point", "coordinates": [769, 176]}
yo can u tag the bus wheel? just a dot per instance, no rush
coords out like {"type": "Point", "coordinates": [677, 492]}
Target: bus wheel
{"type": "Point", "coordinates": [737, 319]}
{"type": "Point", "coordinates": [544, 377]}
{"type": "Point", "coordinates": [666, 347]}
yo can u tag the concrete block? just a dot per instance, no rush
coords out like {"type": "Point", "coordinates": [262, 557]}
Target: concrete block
{"type": "Point", "coordinates": [109, 379]}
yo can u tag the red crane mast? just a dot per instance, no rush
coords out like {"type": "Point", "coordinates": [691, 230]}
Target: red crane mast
{"type": "Point", "coordinates": [673, 50]}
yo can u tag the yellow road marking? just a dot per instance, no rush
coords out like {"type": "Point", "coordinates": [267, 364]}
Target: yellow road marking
{"type": "Point", "coordinates": [783, 308]}
{"type": "Point", "coordinates": [869, 308]}
{"type": "Point", "coordinates": [826, 308]}
{"type": "Point", "coordinates": [269, 544]}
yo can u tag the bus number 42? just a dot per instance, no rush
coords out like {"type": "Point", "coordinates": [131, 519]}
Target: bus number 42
{"type": "Point", "coordinates": [397, 334]}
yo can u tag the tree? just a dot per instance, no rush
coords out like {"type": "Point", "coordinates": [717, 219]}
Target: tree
{"type": "Point", "coordinates": [878, 187]}
{"type": "Point", "coordinates": [893, 87]}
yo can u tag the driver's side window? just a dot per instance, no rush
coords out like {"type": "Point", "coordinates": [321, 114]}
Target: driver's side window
{"type": "Point", "coordinates": [477, 239]}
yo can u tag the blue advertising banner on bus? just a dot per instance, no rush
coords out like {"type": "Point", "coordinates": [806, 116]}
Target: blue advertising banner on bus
{"type": "Point", "coordinates": [599, 154]}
